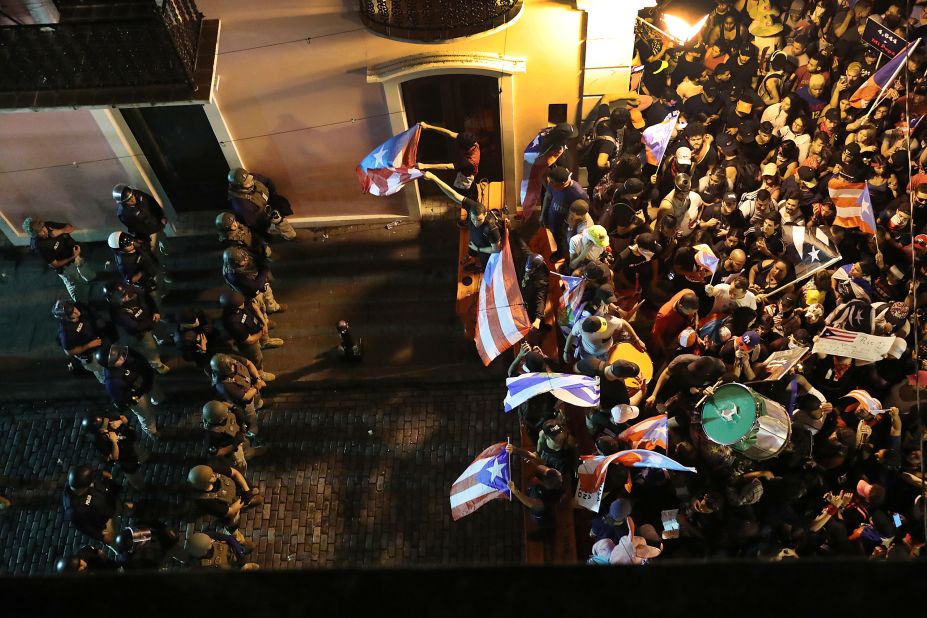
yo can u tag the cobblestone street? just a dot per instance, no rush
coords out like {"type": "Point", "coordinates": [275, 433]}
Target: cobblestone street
{"type": "Point", "coordinates": [337, 495]}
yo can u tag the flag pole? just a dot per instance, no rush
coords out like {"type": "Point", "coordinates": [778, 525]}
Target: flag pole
{"type": "Point", "coordinates": [879, 98]}
{"type": "Point", "coordinates": [803, 277]}
{"type": "Point", "coordinates": [508, 440]}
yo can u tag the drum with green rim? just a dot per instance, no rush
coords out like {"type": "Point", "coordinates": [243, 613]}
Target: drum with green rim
{"type": "Point", "coordinates": [737, 416]}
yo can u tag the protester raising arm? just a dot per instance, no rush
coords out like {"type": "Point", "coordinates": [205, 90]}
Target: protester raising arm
{"type": "Point", "coordinates": [445, 188]}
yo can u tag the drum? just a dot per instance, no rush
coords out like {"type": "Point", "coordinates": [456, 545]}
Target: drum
{"type": "Point", "coordinates": [739, 417]}
{"type": "Point", "coordinates": [627, 352]}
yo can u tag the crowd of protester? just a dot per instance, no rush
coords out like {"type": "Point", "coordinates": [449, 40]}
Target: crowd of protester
{"type": "Point", "coordinates": [118, 338]}
{"type": "Point", "coordinates": [767, 126]}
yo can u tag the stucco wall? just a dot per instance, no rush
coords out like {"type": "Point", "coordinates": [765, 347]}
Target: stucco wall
{"type": "Point", "coordinates": [270, 96]}
{"type": "Point", "coordinates": [37, 176]}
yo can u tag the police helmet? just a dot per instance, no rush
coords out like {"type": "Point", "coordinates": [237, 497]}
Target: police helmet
{"type": "Point", "coordinates": [222, 364]}
{"type": "Point", "coordinates": [70, 564]}
{"type": "Point", "coordinates": [200, 477]}
{"type": "Point", "coordinates": [224, 221]}
{"type": "Point", "coordinates": [115, 240]}
{"type": "Point", "coordinates": [80, 477]}
{"type": "Point", "coordinates": [238, 177]}
{"type": "Point", "coordinates": [108, 357]}
{"type": "Point", "coordinates": [234, 255]}
{"type": "Point", "coordinates": [121, 192]}
{"type": "Point", "coordinates": [91, 423]}
{"type": "Point", "coordinates": [231, 300]}
{"type": "Point", "coordinates": [62, 309]}
{"type": "Point", "coordinates": [124, 542]}
{"type": "Point", "coordinates": [198, 545]}
{"type": "Point", "coordinates": [533, 262]}
{"type": "Point", "coordinates": [113, 292]}
{"type": "Point", "coordinates": [214, 411]}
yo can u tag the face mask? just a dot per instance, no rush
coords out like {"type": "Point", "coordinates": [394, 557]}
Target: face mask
{"type": "Point", "coordinates": [897, 220]}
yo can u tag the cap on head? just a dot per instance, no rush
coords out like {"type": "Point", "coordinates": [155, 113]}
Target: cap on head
{"type": "Point", "coordinates": [200, 477]}
{"type": "Point", "coordinates": [597, 234]}
{"type": "Point", "coordinates": [224, 221]}
{"type": "Point", "coordinates": [559, 174]}
{"type": "Point", "coordinates": [198, 545]}
{"type": "Point", "coordinates": [121, 192]}
{"type": "Point", "coordinates": [238, 177]}
{"type": "Point", "coordinates": [80, 477]}
{"type": "Point", "coordinates": [534, 261]}
{"type": "Point", "coordinates": [749, 340]}
{"type": "Point", "coordinates": [62, 309]}
{"type": "Point", "coordinates": [684, 155]}
{"type": "Point", "coordinates": [215, 411]}
{"type": "Point", "coordinates": [688, 337]}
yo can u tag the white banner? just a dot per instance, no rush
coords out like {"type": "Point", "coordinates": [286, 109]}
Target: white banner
{"type": "Point", "coordinates": [839, 342]}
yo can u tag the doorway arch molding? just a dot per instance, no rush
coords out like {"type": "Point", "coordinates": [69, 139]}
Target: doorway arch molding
{"type": "Point", "coordinates": [394, 73]}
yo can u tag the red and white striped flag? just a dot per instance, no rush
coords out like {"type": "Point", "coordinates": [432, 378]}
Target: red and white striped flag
{"type": "Point", "coordinates": [485, 479]}
{"type": "Point", "coordinates": [853, 204]}
{"type": "Point", "coordinates": [501, 317]}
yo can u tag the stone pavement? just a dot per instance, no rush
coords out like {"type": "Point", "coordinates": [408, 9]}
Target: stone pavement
{"type": "Point", "coordinates": [355, 477]}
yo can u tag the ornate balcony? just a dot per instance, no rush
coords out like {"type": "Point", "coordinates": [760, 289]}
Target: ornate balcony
{"type": "Point", "coordinates": [125, 54]}
{"type": "Point", "coordinates": [436, 20]}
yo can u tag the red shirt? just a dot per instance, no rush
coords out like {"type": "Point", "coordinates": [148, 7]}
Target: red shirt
{"type": "Point", "coordinates": [669, 322]}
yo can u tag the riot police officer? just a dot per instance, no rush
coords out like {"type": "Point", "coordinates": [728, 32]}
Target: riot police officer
{"type": "Point", "coordinates": [144, 546]}
{"type": "Point", "coordinates": [141, 214]}
{"type": "Point", "coordinates": [218, 551]}
{"type": "Point", "coordinates": [53, 242]}
{"type": "Point", "coordinates": [256, 203]}
{"type": "Point", "coordinates": [222, 492]}
{"type": "Point", "coordinates": [238, 381]}
{"type": "Point", "coordinates": [228, 431]}
{"type": "Point", "coordinates": [247, 326]}
{"type": "Point", "coordinates": [80, 333]}
{"type": "Point", "coordinates": [136, 264]}
{"type": "Point", "coordinates": [91, 500]}
{"type": "Point", "coordinates": [129, 380]}
{"type": "Point", "coordinates": [135, 312]}
{"type": "Point", "coordinates": [116, 443]}
{"type": "Point", "coordinates": [232, 233]}
{"type": "Point", "coordinates": [195, 337]}
{"type": "Point", "coordinates": [244, 273]}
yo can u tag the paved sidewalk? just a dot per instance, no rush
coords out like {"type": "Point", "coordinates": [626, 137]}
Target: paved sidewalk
{"type": "Point", "coordinates": [337, 494]}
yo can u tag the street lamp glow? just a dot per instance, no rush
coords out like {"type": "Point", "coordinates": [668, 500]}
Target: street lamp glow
{"type": "Point", "coordinates": [680, 30]}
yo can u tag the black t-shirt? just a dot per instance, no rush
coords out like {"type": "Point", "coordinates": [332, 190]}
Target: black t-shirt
{"type": "Point", "coordinates": [698, 109]}
{"type": "Point", "coordinates": [54, 248]}
{"type": "Point", "coordinates": [685, 68]}
{"type": "Point", "coordinates": [606, 143]}
{"type": "Point", "coordinates": [82, 332]}
{"type": "Point", "coordinates": [484, 235]}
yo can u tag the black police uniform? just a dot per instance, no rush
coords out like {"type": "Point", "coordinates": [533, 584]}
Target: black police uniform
{"type": "Point", "coordinates": [232, 388]}
{"type": "Point", "coordinates": [144, 218]}
{"type": "Point", "coordinates": [90, 511]}
{"type": "Point", "coordinates": [136, 315]}
{"type": "Point", "coordinates": [248, 284]}
{"type": "Point", "coordinates": [54, 248]}
{"type": "Point", "coordinates": [79, 333]}
{"type": "Point", "coordinates": [134, 378]}
{"type": "Point", "coordinates": [138, 262]}
{"type": "Point", "coordinates": [242, 322]}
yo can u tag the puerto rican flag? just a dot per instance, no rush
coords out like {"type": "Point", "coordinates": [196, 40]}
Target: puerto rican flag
{"type": "Point", "coordinates": [593, 468]}
{"type": "Point", "coordinates": [867, 401]}
{"type": "Point", "coordinates": [574, 389]}
{"type": "Point", "coordinates": [391, 165]}
{"type": "Point", "coordinates": [571, 298]}
{"type": "Point", "coordinates": [838, 334]}
{"type": "Point", "coordinates": [853, 204]}
{"type": "Point", "coordinates": [536, 165]}
{"type": "Point", "coordinates": [648, 434]}
{"type": "Point", "coordinates": [706, 258]}
{"type": "Point", "coordinates": [657, 138]}
{"type": "Point", "coordinates": [878, 81]}
{"type": "Point", "coordinates": [487, 478]}
{"type": "Point", "coordinates": [501, 317]}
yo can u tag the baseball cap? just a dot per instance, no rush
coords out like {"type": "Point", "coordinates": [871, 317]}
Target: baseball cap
{"type": "Point", "coordinates": [920, 242]}
{"type": "Point", "coordinates": [730, 197]}
{"type": "Point", "coordinates": [806, 174]}
{"type": "Point", "coordinates": [852, 148]}
{"type": "Point", "coordinates": [597, 234]}
{"type": "Point", "coordinates": [688, 337]}
{"type": "Point", "coordinates": [726, 144]}
{"type": "Point", "coordinates": [747, 134]}
{"type": "Point", "coordinates": [832, 115]}
{"type": "Point", "coordinates": [552, 428]}
{"type": "Point", "coordinates": [637, 119]}
{"type": "Point", "coordinates": [802, 337]}
{"type": "Point", "coordinates": [684, 155]}
{"type": "Point", "coordinates": [897, 313]}
{"type": "Point", "coordinates": [790, 300]}
{"type": "Point", "coordinates": [706, 369]}
{"type": "Point", "coordinates": [765, 128]}
{"type": "Point", "coordinates": [623, 214]}
{"type": "Point", "coordinates": [625, 369]}
{"type": "Point", "coordinates": [647, 244]}
{"type": "Point", "coordinates": [749, 340]}
{"type": "Point", "coordinates": [624, 412]}
{"type": "Point", "coordinates": [770, 169]}
{"type": "Point", "coordinates": [559, 174]}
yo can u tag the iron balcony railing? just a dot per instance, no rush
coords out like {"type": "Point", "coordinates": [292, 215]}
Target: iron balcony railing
{"type": "Point", "coordinates": [142, 51]}
{"type": "Point", "coordinates": [435, 20]}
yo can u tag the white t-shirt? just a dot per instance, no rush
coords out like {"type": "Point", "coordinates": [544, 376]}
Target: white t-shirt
{"type": "Point", "coordinates": [593, 251]}
{"type": "Point", "coordinates": [725, 304]}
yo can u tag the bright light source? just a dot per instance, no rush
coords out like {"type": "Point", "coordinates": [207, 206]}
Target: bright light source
{"type": "Point", "coordinates": [680, 29]}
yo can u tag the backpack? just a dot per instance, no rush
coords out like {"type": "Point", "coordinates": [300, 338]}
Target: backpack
{"type": "Point", "coordinates": [747, 177]}
{"type": "Point", "coordinates": [589, 139]}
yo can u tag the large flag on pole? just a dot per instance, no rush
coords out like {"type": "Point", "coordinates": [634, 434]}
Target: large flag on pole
{"type": "Point", "coordinates": [706, 258]}
{"type": "Point", "coordinates": [501, 317]}
{"type": "Point", "coordinates": [657, 138]}
{"type": "Point", "coordinates": [593, 468]}
{"type": "Point", "coordinates": [391, 165]}
{"type": "Point", "coordinates": [808, 250]}
{"type": "Point", "coordinates": [534, 170]}
{"type": "Point", "coordinates": [578, 390]}
{"type": "Point", "coordinates": [872, 88]}
{"type": "Point", "coordinates": [853, 204]}
{"type": "Point", "coordinates": [487, 478]}
{"type": "Point", "coordinates": [648, 434]}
